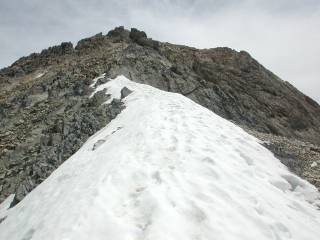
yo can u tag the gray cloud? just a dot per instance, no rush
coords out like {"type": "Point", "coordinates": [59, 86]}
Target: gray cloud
{"type": "Point", "coordinates": [281, 34]}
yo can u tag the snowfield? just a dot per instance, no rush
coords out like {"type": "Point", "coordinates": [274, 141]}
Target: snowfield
{"type": "Point", "coordinates": [167, 168]}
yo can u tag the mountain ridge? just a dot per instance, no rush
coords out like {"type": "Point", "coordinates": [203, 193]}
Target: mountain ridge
{"type": "Point", "coordinates": [46, 113]}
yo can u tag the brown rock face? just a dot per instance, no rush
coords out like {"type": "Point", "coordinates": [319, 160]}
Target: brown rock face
{"type": "Point", "coordinates": [46, 113]}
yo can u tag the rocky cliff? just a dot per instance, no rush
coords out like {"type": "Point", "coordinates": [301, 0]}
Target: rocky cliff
{"type": "Point", "coordinates": [46, 112]}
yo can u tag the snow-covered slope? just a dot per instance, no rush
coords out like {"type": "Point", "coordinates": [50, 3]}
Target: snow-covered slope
{"type": "Point", "coordinates": [167, 168]}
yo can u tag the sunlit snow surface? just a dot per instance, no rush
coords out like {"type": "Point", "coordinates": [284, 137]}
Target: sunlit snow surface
{"type": "Point", "coordinates": [167, 168]}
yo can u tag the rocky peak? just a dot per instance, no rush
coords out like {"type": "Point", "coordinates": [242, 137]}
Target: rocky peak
{"type": "Point", "coordinates": [119, 32]}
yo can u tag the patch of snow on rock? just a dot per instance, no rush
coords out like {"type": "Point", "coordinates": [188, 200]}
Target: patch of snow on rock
{"type": "Point", "coordinates": [39, 75]}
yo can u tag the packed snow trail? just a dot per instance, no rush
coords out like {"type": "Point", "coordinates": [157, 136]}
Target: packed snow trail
{"type": "Point", "coordinates": [167, 168]}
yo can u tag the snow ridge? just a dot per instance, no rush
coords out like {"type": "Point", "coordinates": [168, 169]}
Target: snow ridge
{"type": "Point", "coordinates": [167, 168]}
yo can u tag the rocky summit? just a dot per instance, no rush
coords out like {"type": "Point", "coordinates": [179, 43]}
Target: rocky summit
{"type": "Point", "coordinates": [46, 112]}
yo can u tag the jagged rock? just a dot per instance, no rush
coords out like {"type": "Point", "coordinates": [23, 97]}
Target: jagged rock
{"type": "Point", "coordinates": [101, 81]}
{"type": "Point", "coordinates": [44, 140]}
{"type": "Point", "coordinates": [24, 188]}
{"type": "Point", "coordinates": [119, 32]}
{"type": "Point", "coordinates": [55, 139]}
{"type": "Point", "coordinates": [89, 43]}
{"type": "Point", "coordinates": [16, 71]}
{"type": "Point", "coordinates": [80, 88]}
{"type": "Point", "coordinates": [135, 34]}
{"type": "Point", "coordinates": [63, 48]}
{"type": "Point", "coordinates": [125, 92]}
{"type": "Point", "coordinates": [140, 37]}
{"type": "Point", "coordinates": [98, 98]}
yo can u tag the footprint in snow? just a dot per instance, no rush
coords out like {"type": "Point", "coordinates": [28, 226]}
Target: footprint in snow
{"type": "Point", "coordinates": [98, 144]}
{"type": "Point", "coordinates": [101, 141]}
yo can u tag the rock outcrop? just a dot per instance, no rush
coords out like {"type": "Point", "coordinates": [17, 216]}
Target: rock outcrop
{"type": "Point", "coordinates": [46, 113]}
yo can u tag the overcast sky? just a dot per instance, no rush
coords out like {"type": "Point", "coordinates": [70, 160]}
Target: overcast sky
{"type": "Point", "coordinates": [283, 35]}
